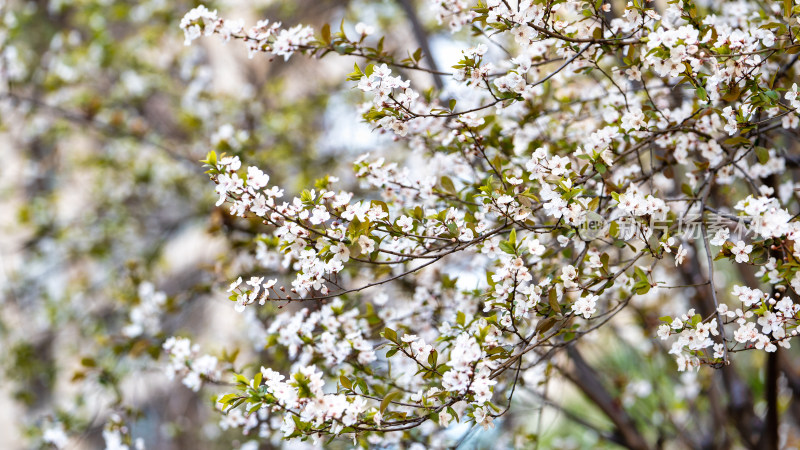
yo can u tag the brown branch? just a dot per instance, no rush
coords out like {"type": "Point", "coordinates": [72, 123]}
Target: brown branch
{"type": "Point", "coordinates": [586, 379]}
{"type": "Point", "coordinates": [422, 40]}
{"type": "Point", "coordinates": [769, 435]}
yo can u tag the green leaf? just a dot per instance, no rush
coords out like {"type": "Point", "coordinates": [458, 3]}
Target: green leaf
{"type": "Point", "coordinates": [326, 33]}
{"type": "Point", "coordinates": [552, 300]}
{"type": "Point", "coordinates": [594, 203]}
{"type": "Point", "coordinates": [641, 287]}
{"type": "Point", "coordinates": [772, 95]}
{"type": "Point", "coordinates": [600, 168]}
{"type": "Point", "coordinates": [363, 386]}
{"type": "Point", "coordinates": [447, 185]}
{"type": "Point", "coordinates": [390, 334]}
{"type": "Point", "coordinates": [211, 159]}
{"type": "Point", "coordinates": [356, 74]}
{"type": "Point", "coordinates": [433, 358]}
{"type": "Point", "coordinates": [762, 154]}
{"type": "Point", "coordinates": [613, 229]}
{"type": "Point", "coordinates": [545, 325]}
{"type": "Point", "coordinates": [702, 94]}
{"type": "Point", "coordinates": [388, 399]}
{"type": "Point", "coordinates": [604, 258]}
{"type": "Point", "coordinates": [88, 362]}
{"type": "Point", "coordinates": [452, 228]}
{"type": "Point", "coordinates": [640, 274]}
{"type": "Point", "coordinates": [345, 382]}
{"type": "Point", "coordinates": [508, 248]}
{"type": "Point", "coordinates": [733, 94]}
{"type": "Point", "coordinates": [737, 140]}
{"type": "Point", "coordinates": [225, 399]}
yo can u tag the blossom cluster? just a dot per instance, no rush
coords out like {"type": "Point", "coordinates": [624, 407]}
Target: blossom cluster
{"type": "Point", "coordinates": [186, 363]}
{"type": "Point", "coordinates": [263, 37]}
{"type": "Point", "coordinates": [145, 317]}
{"type": "Point", "coordinates": [761, 321]}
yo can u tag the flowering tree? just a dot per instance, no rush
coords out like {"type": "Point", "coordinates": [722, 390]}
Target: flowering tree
{"type": "Point", "coordinates": [592, 212]}
{"type": "Point", "coordinates": [593, 166]}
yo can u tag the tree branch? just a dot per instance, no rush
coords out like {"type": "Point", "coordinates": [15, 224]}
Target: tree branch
{"type": "Point", "coordinates": [769, 435]}
{"type": "Point", "coordinates": [586, 379]}
{"type": "Point", "coordinates": [422, 39]}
